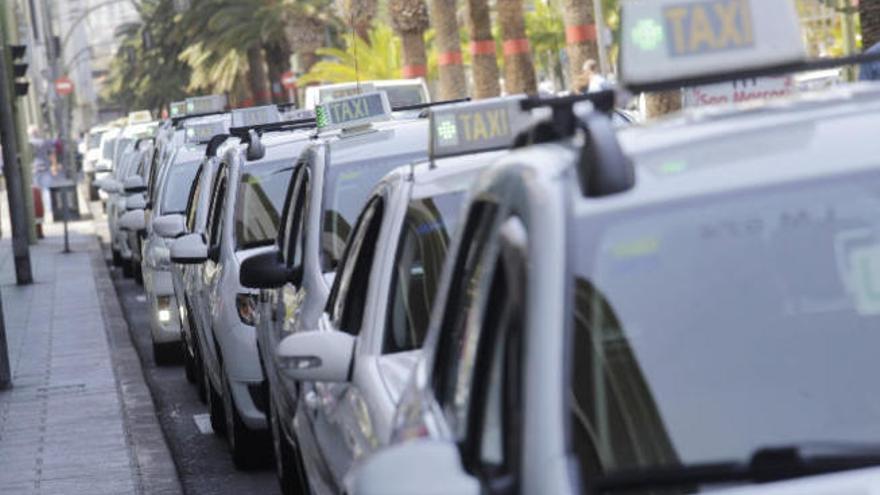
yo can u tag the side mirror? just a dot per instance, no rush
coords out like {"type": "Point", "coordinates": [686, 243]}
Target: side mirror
{"type": "Point", "coordinates": [136, 202]}
{"type": "Point", "coordinates": [132, 220]}
{"type": "Point", "coordinates": [111, 186]}
{"type": "Point", "coordinates": [169, 226]}
{"type": "Point", "coordinates": [317, 356]}
{"type": "Point", "coordinates": [189, 250]}
{"type": "Point", "coordinates": [265, 271]}
{"type": "Point", "coordinates": [413, 467]}
{"type": "Point", "coordinates": [134, 184]}
{"type": "Point", "coordinates": [103, 167]}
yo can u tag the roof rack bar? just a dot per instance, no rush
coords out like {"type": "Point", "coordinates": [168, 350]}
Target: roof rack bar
{"type": "Point", "coordinates": [275, 126]}
{"type": "Point", "coordinates": [775, 70]}
{"type": "Point", "coordinates": [177, 120]}
{"type": "Point", "coordinates": [422, 106]}
{"type": "Point", "coordinates": [564, 119]}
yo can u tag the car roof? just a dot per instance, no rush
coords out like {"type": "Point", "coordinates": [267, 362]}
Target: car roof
{"type": "Point", "coordinates": [390, 138]}
{"type": "Point", "coordinates": [809, 137]}
{"type": "Point", "coordinates": [449, 174]}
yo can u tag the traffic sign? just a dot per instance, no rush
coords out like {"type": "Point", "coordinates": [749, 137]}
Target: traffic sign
{"type": "Point", "coordinates": [63, 86]}
{"type": "Point", "coordinates": [288, 80]}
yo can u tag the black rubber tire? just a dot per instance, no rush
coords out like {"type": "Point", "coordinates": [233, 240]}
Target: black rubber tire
{"type": "Point", "coordinates": [215, 407]}
{"type": "Point", "coordinates": [126, 269]}
{"type": "Point", "coordinates": [249, 448]}
{"type": "Point", "coordinates": [166, 354]}
{"type": "Point", "coordinates": [288, 464]}
{"type": "Point", "coordinates": [117, 258]}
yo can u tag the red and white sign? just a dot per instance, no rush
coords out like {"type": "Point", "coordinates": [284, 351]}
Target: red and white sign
{"type": "Point", "coordinates": [288, 80]}
{"type": "Point", "coordinates": [63, 86]}
{"type": "Point", "coordinates": [761, 88]}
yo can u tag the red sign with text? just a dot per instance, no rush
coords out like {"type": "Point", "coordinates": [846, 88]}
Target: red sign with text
{"type": "Point", "coordinates": [63, 86]}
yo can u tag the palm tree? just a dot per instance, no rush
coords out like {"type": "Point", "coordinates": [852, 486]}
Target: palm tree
{"type": "Point", "coordinates": [580, 35]}
{"type": "Point", "coordinates": [375, 58]}
{"type": "Point", "coordinates": [869, 14]}
{"type": "Point", "coordinates": [410, 19]}
{"type": "Point", "coordinates": [359, 15]}
{"type": "Point", "coordinates": [484, 62]}
{"type": "Point", "coordinates": [658, 104]}
{"type": "Point", "coordinates": [451, 82]}
{"type": "Point", "coordinates": [519, 72]}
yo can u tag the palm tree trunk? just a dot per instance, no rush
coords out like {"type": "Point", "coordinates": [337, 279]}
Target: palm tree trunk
{"type": "Point", "coordinates": [452, 83]}
{"type": "Point", "coordinates": [658, 104]}
{"type": "Point", "coordinates": [414, 58]}
{"type": "Point", "coordinates": [278, 62]}
{"type": "Point", "coordinates": [257, 77]}
{"type": "Point", "coordinates": [519, 72]}
{"type": "Point", "coordinates": [580, 36]}
{"type": "Point", "coordinates": [484, 64]}
{"type": "Point", "coordinates": [869, 13]}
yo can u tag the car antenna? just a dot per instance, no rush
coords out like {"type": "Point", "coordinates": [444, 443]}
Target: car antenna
{"type": "Point", "coordinates": [354, 46]}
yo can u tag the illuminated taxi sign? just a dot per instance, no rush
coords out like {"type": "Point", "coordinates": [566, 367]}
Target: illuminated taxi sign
{"type": "Point", "coordinates": [202, 132]}
{"type": "Point", "coordinates": [177, 109]}
{"type": "Point", "coordinates": [139, 117]}
{"type": "Point", "coordinates": [353, 111]}
{"type": "Point", "coordinates": [666, 40]}
{"type": "Point", "coordinates": [339, 91]}
{"type": "Point", "coordinates": [249, 117]}
{"type": "Point", "coordinates": [473, 127]}
{"type": "Point", "coordinates": [205, 104]}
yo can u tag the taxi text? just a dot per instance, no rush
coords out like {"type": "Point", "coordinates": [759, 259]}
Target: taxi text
{"type": "Point", "coordinates": [708, 26]}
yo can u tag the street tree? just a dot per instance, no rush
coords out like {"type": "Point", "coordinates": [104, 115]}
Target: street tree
{"type": "Point", "coordinates": [580, 35]}
{"type": "Point", "coordinates": [358, 15]}
{"type": "Point", "coordinates": [447, 42]}
{"type": "Point", "coordinates": [409, 18]}
{"type": "Point", "coordinates": [869, 14]}
{"type": "Point", "coordinates": [376, 58]}
{"type": "Point", "coordinates": [484, 61]}
{"type": "Point", "coordinates": [519, 71]}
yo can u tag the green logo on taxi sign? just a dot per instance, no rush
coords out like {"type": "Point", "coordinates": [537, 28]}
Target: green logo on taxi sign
{"type": "Point", "coordinates": [647, 34]}
{"type": "Point", "coordinates": [447, 131]}
{"type": "Point", "coordinates": [321, 116]}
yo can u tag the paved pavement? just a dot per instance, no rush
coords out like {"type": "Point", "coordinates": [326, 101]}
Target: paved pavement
{"type": "Point", "coordinates": [80, 418]}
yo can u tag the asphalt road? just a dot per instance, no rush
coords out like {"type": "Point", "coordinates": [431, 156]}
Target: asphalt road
{"type": "Point", "coordinates": [202, 459]}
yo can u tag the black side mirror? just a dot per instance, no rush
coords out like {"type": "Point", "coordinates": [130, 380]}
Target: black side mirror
{"type": "Point", "coordinates": [264, 271]}
{"type": "Point", "coordinates": [214, 253]}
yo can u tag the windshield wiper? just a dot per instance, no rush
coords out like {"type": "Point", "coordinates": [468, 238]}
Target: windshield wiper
{"type": "Point", "coordinates": [765, 465]}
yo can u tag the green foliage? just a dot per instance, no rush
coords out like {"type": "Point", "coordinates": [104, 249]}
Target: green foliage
{"type": "Point", "coordinates": [545, 29]}
{"type": "Point", "coordinates": [378, 59]}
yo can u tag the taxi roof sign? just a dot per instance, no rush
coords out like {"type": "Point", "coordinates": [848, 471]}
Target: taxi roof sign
{"type": "Point", "coordinates": [177, 109]}
{"type": "Point", "coordinates": [139, 117]}
{"type": "Point", "coordinates": [249, 117]}
{"type": "Point", "coordinates": [201, 131]}
{"type": "Point", "coordinates": [667, 41]}
{"type": "Point", "coordinates": [353, 111]}
{"type": "Point", "coordinates": [205, 104]}
{"type": "Point", "coordinates": [474, 127]}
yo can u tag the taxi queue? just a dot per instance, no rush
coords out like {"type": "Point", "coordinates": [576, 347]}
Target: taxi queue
{"type": "Point", "coordinates": [530, 295]}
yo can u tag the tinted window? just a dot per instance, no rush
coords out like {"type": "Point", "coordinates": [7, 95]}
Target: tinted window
{"type": "Point", "coordinates": [707, 330]}
{"type": "Point", "coordinates": [260, 199]}
{"type": "Point", "coordinates": [178, 184]}
{"type": "Point", "coordinates": [345, 192]}
{"type": "Point", "coordinates": [424, 241]}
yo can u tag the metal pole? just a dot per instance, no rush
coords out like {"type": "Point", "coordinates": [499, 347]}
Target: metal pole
{"type": "Point", "coordinates": [12, 171]}
{"type": "Point", "coordinates": [599, 22]}
{"type": "Point", "coordinates": [65, 203]}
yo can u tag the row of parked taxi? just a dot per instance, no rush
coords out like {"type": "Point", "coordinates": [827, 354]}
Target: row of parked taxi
{"type": "Point", "coordinates": [528, 295]}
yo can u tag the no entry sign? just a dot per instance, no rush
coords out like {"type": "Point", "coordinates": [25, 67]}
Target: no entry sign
{"type": "Point", "coordinates": [63, 86]}
{"type": "Point", "coordinates": [288, 80]}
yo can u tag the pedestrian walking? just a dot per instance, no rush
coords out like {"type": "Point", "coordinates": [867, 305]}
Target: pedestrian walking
{"type": "Point", "coordinates": [45, 164]}
{"type": "Point", "coordinates": [590, 79]}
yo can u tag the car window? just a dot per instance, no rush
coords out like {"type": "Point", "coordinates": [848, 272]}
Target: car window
{"type": "Point", "coordinates": [461, 321]}
{"type": "Point", "coordinates": [259, 201]}
{"type": "Point", "coordinates": [215, 211]}
{"type": "Point", "coordinates": [348, 297]}
{"type": "Point", "coordinates": [292, 243]}
{"type": "Point", "coordinates": [424, 240]}
{"type": "Point", "coordinates": [178, 184]}
{"type": "Point", "coordinates": [192, 201]}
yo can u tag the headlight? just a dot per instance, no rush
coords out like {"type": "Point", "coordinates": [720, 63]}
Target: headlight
{"type": "Point", "coordinates": [246, 304]}
{"type": "Point", "coordinates": [163, 309]}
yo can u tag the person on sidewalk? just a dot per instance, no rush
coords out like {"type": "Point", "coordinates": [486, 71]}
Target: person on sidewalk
{"type": "Point", "coordinates": [45, 164]}
{"type": "Point", "coordinates": [590, 80]}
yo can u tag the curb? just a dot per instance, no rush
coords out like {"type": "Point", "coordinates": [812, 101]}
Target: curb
{"type": "Point", "coordinates": [151, 458]}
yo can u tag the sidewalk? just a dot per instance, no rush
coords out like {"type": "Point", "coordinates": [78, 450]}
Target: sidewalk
{"type": "Point", "coordinates": [79, 418]}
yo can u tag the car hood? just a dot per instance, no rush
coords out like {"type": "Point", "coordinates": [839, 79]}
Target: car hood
{"type": "Point", "coordinates": [855, 482]}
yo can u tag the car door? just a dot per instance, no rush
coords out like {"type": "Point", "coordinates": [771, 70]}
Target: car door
{"type": "Point", "coordinates": [209, 270]}
{"type": "Point", "coordinates": [340, 415]}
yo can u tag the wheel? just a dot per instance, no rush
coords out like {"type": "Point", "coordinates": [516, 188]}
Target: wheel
{"type": "Point", "coordinates": [166, 354]}
{"type": "Point", "coordinates": [198, 362]}
{"type": "Point", "coordinates": [248, 447]}
{"type": "Point", "coordinates": [288, 464]}
{"type": "Point", "coordinates": [127, 269]}
{"type": "Point", "coordinates": [215, 406]}
{"type": "Point", "coordinates": [137, 272]}
{"type": "Point", "coordinates": [117, 258]}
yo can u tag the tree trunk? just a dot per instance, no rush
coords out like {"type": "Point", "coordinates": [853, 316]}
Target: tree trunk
{"type": "Point", "coordinates": [307, 58]}
{"type": "Point", "coordinates": [257, 78]}
{"type": "Point", "coordinates": [483, 63]}
{"type": "Point", "coordinates": [519, 72]}
{"type": "Point", "coordinates": [414, 58]}
{"type": "Point", "coordinates": [451, 84]}
{"type": "Point", "coordinates": [580, 36]}
{"type": "Point", "coordinates": [869, 13]}
{"type": "Point", "coordinates": [278, 62]}
{"type": "Point", "coordinates": [658, 104]}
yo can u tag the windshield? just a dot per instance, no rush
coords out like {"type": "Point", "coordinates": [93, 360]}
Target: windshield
{"type": "Point", "coordinates": [94, 140]}
{"type": "Point", "coordinates": [704, 331]}
{"type": "Point", "coordinates": [177, 186]}
{"type": "Point", "coordinates": [345, 193]}
{"type": "Point", "coordinates": [107, 151]}
{"type": "Point", "coordinates": [260, 199]}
